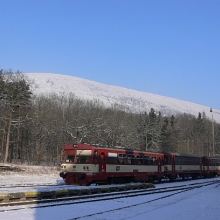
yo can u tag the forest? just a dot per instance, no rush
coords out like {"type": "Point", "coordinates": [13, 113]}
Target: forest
{"type": "Point", "coordinates": [33, 128]}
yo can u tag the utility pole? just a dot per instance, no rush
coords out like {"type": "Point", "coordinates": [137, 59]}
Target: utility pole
{"type": "Point", "coordinates": [213, 135]}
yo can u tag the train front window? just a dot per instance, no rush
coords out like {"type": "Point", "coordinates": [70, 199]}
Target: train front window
{"type": "Point", "coordinates": [69, 158]}
{"type": "Point", "coordinates": [83, 156]}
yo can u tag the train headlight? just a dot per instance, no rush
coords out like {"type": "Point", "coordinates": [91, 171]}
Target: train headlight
{"type": "Point", "coordinates": [63, 166]}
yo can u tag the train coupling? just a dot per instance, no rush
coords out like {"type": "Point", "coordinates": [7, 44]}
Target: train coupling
{"type": "Point", "coordinates": [63, 174]}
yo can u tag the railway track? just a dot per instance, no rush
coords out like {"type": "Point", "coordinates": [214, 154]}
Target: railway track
{"type": "Point", "coordinates": [100, 214]}
{"type": "Point", "coordinates": [96, 197]}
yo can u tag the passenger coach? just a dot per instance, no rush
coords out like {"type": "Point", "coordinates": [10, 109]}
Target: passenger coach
{"type": "Point", "coordinates": [211, 166]}
{"type": "Point", "coordinates": [180, 165]}
{"type": "Point", "coordinates": [85, 164]}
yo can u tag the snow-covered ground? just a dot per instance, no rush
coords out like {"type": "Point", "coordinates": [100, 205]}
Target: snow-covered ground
{"type": "Point", "coordinates": [37, 175]}
{"type": "Point", "coordinates": [201, 203]}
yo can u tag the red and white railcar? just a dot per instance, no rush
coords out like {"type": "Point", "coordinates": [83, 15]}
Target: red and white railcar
{"type": "Point", "coordinates": [211, 166]}
{"type": "Point", "coordinates": [179, 165]}
{"type": "Point", "coordinates": [85, 164]}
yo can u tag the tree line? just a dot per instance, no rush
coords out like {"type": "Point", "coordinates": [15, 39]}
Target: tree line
{"type": "Point", "coordinates": [33, 128]}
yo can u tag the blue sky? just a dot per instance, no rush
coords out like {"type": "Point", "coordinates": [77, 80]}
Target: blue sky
{"type": "Point", "coordinates": [165, 47]}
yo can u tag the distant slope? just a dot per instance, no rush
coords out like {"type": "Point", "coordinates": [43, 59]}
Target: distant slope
{"type": "Point", "coordinates": [136, 101]}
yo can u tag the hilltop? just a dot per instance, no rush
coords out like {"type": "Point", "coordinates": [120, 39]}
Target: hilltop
{"type": "Point", "coordinates": [132, 100]}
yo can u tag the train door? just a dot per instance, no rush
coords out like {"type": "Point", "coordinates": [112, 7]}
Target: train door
{"type": "Point", "coordinates": [201, 168]}
{"type": "Point", "coordinates": [173, 164]}
{"type": "Point", "coordinates": [102, 162]}
{"type": "Point", "coordinates": [95, 157]}
{"type": "Point", "coordinates": [204, 166]}
{"type": "Point", "coordinates": [159, 165]}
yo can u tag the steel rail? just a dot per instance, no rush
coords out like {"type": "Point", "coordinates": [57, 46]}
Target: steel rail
{"type": "Point", "coordinates": [142, 203]}
{"type": "Point", "coordinates": [104, 196]}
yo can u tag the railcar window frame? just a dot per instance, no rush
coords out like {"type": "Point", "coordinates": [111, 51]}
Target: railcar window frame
{"type": "Point", "coordinates": [69, 156]}
{"type": "Point", "coordinates": [112, 158]}
{"type": "Point", "coordinates": [154, 160]}
{"type": "Point", "coordinates": [139, 159]}
{"type": "Point", "coordinates": [131, 159]}
{"type": "Point", "coordinates": [83, 156]}
{"type": "Point", "coordinates": [122, 158]}
{"type": "Point", "coordinates": [147, 160]}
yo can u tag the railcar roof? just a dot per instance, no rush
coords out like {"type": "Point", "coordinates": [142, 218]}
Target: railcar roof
{"type": "Point", "coordinates": [183, 155]}
{"type": "Point", "coordinates": [116, 148]}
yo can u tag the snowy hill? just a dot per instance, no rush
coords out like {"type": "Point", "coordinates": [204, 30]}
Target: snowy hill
{"type": "Point", "coordinates": [109, 95]}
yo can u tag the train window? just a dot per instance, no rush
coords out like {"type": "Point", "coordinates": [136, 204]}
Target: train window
{"type": "Point", "coordinates": [147, 160]}
{"type": "Point", "coordinates": [83, 156]}
{"type": "Point", "coordinates": [196, 161]}
{"type": "Point", "coordinates": [178, 161]}
{"type": "Point", "coordinates": [166, 160]}
{"type": "Point", "coordinates": [190, 161]}
{"type": "Point", "coordinates": [212, 162]}
{"type": "Point", "coordinates": [102, 157]}
{"type": "Point", "coordinates": [122, 158]}
{"type": "Point", "coordinates": [131, 159]}
{"type": "Point", "coordinates": [112, 158]}
{"type": "Point", "coordinates": [69, 158]}
{"type": "Point", "coordinates": [154, 160]}
{"type": "Point", "coordinates": [139, 159]}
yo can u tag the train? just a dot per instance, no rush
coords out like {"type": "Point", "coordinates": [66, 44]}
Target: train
{"type": "Point", "coordinates": [86, 164]}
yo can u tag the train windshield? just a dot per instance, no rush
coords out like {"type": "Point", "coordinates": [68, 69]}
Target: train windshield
{"type": "Point", "coordinates": [83, 156]}
{"type": "Point", "coordinates": [69, 156]}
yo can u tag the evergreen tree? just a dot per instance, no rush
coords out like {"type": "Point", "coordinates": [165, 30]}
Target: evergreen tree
{"type": "Point", "coordinates": [16, 97]}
